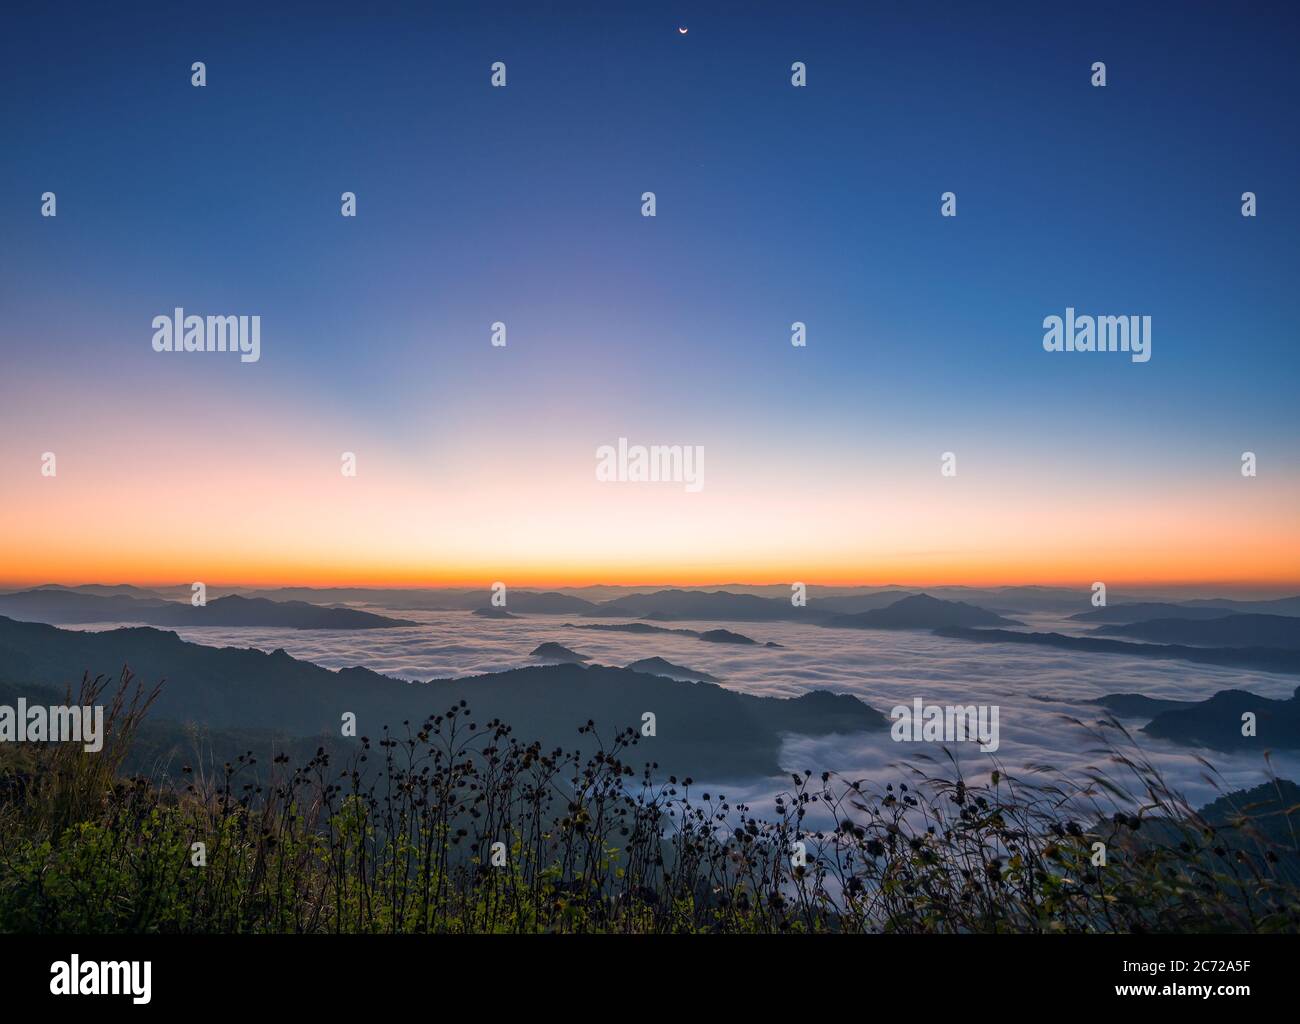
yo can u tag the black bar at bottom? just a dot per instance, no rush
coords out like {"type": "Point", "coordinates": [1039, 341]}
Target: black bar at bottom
{"type": "Point", "coordinates": [939, 974]}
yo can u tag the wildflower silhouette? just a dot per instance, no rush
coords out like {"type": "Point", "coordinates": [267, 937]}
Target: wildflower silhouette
{"type": "Point", "coordinates": [595, 844]}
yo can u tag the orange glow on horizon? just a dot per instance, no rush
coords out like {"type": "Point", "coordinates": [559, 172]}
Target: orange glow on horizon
{"type": "Point", "coordinates": [546, 577]}
{"type": "Point", "coordinates": [263, 508]}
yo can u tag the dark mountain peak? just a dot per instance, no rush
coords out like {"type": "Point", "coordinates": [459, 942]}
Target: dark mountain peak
{"type": "Point", "coordinates": [725, 636]}
{"type": "Point", "coordinates": [493, 613]}
{"type": "Point", "coordinates": [1217, 723]}
{"type": "Point", "coordinates": [921, 600]}
{"type": "Point", "coordinates": [557, 652]}
{"type": "Point", "coordinates": [921, 611]}
{"type": "Point", "coordinates": [1249, 629]}
{"type": "Point", "coordinates": [660, 667]}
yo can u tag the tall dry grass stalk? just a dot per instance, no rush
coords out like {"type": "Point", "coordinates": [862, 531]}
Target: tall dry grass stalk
{"type": "Point", "coordinates": [453, 825]}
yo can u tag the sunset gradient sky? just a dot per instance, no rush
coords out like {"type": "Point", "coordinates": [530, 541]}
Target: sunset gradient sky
{"type": "Point", "coordinates": [522, 204]}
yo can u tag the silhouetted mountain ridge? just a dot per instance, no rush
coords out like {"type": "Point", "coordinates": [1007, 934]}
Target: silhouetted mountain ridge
{"type": "Point", "coordinates": [659, 667]}
{"type": "Point", "coordinates": [1267, 659]}
{"type": "Point", "coordinates": [557, 652]}
{"type": "Point", "coordinates": [64, 607]}
{"type": "Point", "coordinates": [921, 611]}
{"type": "Point", "coordinates": [1248, 630]}
{"type": "Point", "coordinates": [1218, 722]}
{"type": "Point", "coordinates": [700, 728]}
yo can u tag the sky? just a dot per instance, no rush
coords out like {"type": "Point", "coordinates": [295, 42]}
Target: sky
{"type": "Point", "coordinates": [774, 204]}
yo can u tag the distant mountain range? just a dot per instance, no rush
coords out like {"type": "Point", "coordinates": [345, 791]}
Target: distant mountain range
{"type": "Point", "coordinates": [1217, 722]}
{"type": "Point", "coordinates": [1282, 631]}
{"type": "Point", "coordinates": [1192, 610]}
{"type": "Point", "coordinates": [670, 605]}
{"type": "Point", "coordinates": [731, 602]}
{"type": "Point", "coordinates": [700, 728]}
{"type": "Point", "coordinates": [921, 611]}
{"type": "Point", "coordinates": [63, 607]}
{"type": "Point", "coordinates": [895, 609]}
{"type": "Point", "coordinates": [1279, 606]}
{"type": "Point", "coordinates": [712, 636]}
{"type": "Point", "coordinates": [1201, 631]}
{"type": "Point", "coordinates": [882, 611]}
{"type": "Point", "coordinates": [1140, 610]}
{"type": "Point", "coordinates": [116, 590]}
{"type": "Point", "coordinates": [1267, 659]}
{"type": "Point", "coordinates": [529, 602]}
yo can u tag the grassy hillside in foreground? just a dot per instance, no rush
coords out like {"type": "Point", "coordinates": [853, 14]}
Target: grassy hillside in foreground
{"type": "Point", "coordinates": [456, 825]}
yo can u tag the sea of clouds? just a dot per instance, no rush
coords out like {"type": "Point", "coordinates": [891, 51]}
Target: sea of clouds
{"type": "Point", "coordinates": [882, 667]}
